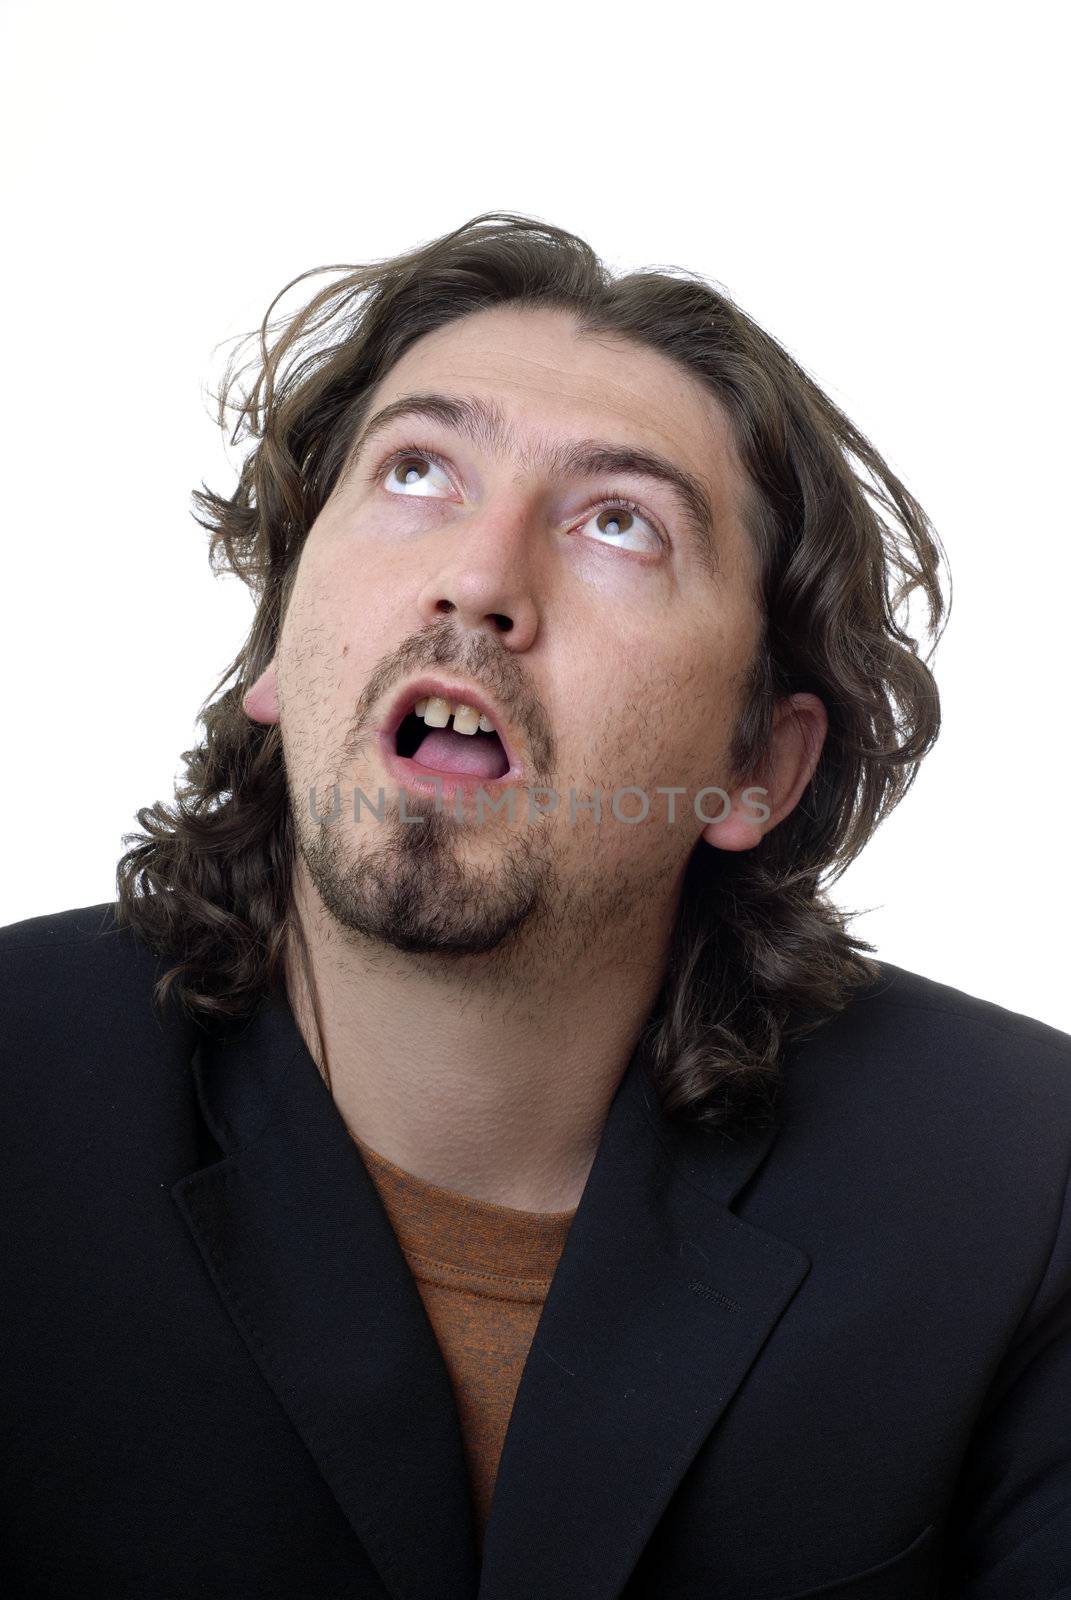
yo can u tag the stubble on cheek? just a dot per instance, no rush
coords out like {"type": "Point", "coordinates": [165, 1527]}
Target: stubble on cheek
{"type": "Point", "coordinates": [312, 709]}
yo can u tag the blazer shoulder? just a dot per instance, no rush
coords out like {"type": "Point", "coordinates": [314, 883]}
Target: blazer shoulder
{"type": "Point", "coordinates": [95, 1075]}
{"type": "Point", "coordinates": [937, 1085]}
{"type": "Point", "coordinates": [75, 925]}
{"type": "Point", "coordinates": [84, 942]}
{"type": "Point", "coordinates": [76, 979]}
{"type": "Point", "coordinates": [959, 1012]}
{"type": "Point", "coordinates": [905, 1017]}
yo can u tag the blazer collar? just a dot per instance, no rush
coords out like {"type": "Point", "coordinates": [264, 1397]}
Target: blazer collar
{"type": "Point", "coordinates": [661, 1301]}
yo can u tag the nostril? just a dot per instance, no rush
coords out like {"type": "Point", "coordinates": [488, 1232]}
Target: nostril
{"type": "Point", "coordinates": [504, 624]}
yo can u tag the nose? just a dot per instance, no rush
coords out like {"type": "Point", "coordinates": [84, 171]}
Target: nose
{"type": "Point", "coordinates": [484, 580]}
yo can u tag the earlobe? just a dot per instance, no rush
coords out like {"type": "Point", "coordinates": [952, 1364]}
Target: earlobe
{"type": "Point", "coordinates": [261, 700]}
{"type": "Point", "coordinates": [744, 826]}
{"type": "Point", "coordinates": [796, 740]}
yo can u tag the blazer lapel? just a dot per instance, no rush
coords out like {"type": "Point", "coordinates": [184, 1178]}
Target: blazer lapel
{"type": "Point", "coordinates": [661, 1302]}
{"type": "Point", "coordinates": [297, 1242]}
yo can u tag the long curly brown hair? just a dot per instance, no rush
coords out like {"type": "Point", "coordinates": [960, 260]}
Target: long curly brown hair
{"type": "Point", "coordinates": [759, 954]}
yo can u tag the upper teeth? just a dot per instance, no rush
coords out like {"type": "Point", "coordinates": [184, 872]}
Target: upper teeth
{"type": "Point", "coordinates": [437, 713]}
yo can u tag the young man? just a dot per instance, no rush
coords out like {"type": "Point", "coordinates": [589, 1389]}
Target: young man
{"type": "Point", "coordinates": [472, 1157]}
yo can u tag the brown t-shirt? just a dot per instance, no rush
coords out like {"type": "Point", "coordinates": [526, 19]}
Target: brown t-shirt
{"type": "Point", "coordinates": [483, 1272]}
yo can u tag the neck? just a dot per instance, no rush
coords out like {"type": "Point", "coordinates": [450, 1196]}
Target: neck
{"type": "Point", "coordinates": [488, 1075]}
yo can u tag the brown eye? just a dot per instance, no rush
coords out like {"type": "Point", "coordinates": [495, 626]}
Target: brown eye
{"type": "Point", "coordinates": [615, 523]}
{"type": "Point", "coordinates": [624, 525]}
{"type": "Point", "coordinates": [409, 475]}
{"type": "Point", "coordinates": [406, 472]}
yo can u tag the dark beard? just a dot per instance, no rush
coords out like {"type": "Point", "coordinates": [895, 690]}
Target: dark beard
{"type": "Point", "coordinates": [413, 892]}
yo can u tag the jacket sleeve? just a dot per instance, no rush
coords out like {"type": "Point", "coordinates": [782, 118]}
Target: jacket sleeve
{"type": "Point", "coordinates": [1009, 1532]}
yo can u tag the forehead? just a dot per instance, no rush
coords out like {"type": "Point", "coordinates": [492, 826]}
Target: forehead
{"type": "Point", "coordinates": [552, 383]}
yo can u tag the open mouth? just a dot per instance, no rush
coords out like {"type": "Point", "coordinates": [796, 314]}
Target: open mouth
{"type": "Point", "coordinates": [478, 753]}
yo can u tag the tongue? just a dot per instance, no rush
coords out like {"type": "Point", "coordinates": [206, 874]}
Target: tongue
{"type": "Point", "coordinates": [446, 751]}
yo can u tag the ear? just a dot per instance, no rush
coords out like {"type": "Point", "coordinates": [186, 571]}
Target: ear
{"type": "Point", "coordinates": [261, 702]}
{"type": "Point", "coordinates": [796, 739]}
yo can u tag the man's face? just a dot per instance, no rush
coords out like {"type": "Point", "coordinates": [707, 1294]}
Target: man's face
{"type": "Point", "coordinates": [612, 641]}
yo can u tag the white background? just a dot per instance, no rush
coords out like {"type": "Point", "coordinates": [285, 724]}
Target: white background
{"type": "Point", "coordinates": [881, 187]}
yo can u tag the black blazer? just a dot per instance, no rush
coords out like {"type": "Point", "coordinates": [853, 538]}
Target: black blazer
{"type": "Point", "coordinates": [833, 1359]}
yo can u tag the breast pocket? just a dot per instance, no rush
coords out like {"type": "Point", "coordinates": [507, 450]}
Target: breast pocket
{"type": "Point", "coordinates": [909, 1575]}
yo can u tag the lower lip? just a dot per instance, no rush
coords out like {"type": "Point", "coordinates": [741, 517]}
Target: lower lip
{"type": "Point", "coordinates": [423, 780]}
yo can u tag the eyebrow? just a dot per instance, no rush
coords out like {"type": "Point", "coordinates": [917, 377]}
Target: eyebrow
{"type": "Point", "coordinates": [482, 422]}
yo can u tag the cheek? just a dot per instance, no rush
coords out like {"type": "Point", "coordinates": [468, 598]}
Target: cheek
{"type": "Point", "coordinates": [620, 735]}
{"type": "Point", "coordinates": [345, 611]}
{"type": "Point", "coordinates": [346, 569]}
{"type": "Point", "coordinates": [668, 723]}
{"type": "Point", "coordinates": [325, 658]}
